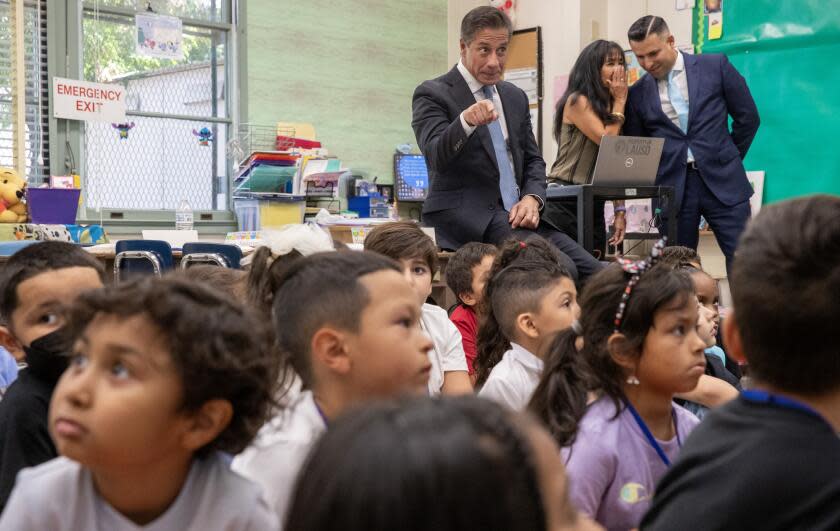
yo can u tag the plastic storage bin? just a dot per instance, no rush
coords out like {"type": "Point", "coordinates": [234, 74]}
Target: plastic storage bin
{"type": "Point", "coordinates": [53, 206]}
{"type": "Point", "coordinates": [268, 212]}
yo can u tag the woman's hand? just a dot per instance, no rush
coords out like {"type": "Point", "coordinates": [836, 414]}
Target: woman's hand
{"type": "Point", "coordinates": [620, 226]}
{"type": "Point", "coordinates": [618, 84]}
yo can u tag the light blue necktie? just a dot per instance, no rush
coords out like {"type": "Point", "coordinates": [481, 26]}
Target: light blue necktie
{"type": "Point", "coordinates": [507, 181]}
{"type": "Point", "coordinates": [680, 105]}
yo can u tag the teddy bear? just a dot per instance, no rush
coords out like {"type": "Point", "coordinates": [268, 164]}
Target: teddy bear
{"type": "Point", "coordinates": [508, 7]}
{"type": "Point", "coordinates": [12, 191]}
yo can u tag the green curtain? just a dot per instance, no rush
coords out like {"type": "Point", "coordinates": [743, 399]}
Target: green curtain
{"type": "Point", "coordinates": [789, 53]}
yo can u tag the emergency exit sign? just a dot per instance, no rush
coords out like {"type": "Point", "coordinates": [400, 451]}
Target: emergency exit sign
{"type": "Point", "coordinates": [82, 100]}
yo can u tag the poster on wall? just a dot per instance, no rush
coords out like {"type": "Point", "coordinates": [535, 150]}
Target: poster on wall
{"type": "Point", "coordinates": [634, 69]}
{"type": "Point", "coordinates": [528, 80]}
{"type": "Point", "coordinates": [159, 36]}
{"type": "Point", "coordinates": [713, 9]}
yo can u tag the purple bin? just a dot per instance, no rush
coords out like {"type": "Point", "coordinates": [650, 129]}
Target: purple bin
{"type": "Point", "coordinates": [53, 206]}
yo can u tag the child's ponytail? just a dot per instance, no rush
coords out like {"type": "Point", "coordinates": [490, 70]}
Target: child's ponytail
{"type": "Point", "coordinates": [491, 343]}
{"type": "Point", "coordinates": [260, 292]}
{"type": "Point", "coordinates": [559, 400]}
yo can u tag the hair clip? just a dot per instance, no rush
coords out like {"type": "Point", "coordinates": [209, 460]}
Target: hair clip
{"type": "Point", "coordinates": [636, 268]}
{"type": "Point", "coordinates": [522, 245]}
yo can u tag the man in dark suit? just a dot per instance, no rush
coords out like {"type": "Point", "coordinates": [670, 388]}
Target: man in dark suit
{"type": "Point", "coordinates": [687, 100]}
{"type": "Point", "coordinates": [487, 174]}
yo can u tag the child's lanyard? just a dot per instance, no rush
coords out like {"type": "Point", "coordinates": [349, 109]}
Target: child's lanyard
{"type": "Point", "coordinates": [649, 436]}
{"type": "Point", "coordinates": [763, 397]}
{"type": "Point", "coordinates": [321, 414]}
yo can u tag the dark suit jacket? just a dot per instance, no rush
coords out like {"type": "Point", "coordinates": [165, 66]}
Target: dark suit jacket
{"type": "Point", "coordinates": [715, 91]}
{"type": "Point", "coordinates": [463, 172]}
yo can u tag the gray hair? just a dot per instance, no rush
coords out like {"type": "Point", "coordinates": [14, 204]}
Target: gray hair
{"type": "Point", "coordinates": [483, 17]}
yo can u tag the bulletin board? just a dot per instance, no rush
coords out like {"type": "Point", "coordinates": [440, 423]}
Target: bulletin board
{"type": "Point", "coordinates": [524, 69]}
{"type": "Point", "coordinates": [787, 52]}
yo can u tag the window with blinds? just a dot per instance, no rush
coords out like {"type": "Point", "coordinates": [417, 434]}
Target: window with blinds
{"type": "Point", "coordinates": [34, 133]}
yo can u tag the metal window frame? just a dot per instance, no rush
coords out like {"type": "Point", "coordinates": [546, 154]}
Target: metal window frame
{"type": "Point", "coordinates": [65, 20]}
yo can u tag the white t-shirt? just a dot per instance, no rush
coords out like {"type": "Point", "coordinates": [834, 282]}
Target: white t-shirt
{"type": "Point", "coordinates": [277, 454]}
{"type": "Point", "coordinates": [59, 496]}
{"type": "Point", "coordinates": [514, 379]}
{"type": "Point", "coordinates": [448, 353]}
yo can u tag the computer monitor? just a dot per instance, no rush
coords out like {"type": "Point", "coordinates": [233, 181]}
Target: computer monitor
{"type": "Point", "coordinates": [411, 178]}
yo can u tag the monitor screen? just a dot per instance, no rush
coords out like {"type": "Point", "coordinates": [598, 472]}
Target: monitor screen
{"type": "Point", "coordinates": [411, 178]}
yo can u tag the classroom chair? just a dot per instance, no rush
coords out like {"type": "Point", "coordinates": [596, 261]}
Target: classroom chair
{"type": "Point", "coordinates": [219, 254]}
{"type": "Point", "coordinates": [141, 257]}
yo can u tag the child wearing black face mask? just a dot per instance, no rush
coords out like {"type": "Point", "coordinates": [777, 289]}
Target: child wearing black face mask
{"type": "Point", "coordinates": [38, 283]}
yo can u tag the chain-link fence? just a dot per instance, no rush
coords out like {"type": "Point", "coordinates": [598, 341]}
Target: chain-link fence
{"type": "Point", "coordinates": [154, 163]}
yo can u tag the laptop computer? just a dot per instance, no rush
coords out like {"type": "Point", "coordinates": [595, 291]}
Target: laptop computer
{"type": "Point", "coordinates": [627, 161]}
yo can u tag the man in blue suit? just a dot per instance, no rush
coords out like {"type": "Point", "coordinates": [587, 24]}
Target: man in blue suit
{"type": "Point", "coordinates": [487, 175]}
{"type": "Point", "coordinates": [687, 100]}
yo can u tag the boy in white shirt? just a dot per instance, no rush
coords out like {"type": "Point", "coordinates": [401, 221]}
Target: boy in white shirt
{"type": "Point", "coordinates": [405, 242]}
{"type": "Point", "coordinates": [349, 326]}
{"type": "Point", "coordinates": [164, 375]}
{"type": "Point", "coordinates": [530, 301]}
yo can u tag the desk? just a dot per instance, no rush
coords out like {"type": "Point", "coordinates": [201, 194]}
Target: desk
{"type": "Point", "coordinates": [587, 193]}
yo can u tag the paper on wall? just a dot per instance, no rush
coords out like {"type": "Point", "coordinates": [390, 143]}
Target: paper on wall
{"type": "Point", "coordinates": [159, 36]}
{"type": "Point", "coordinates": [756, 179]}
{"type": "Point", "coordinates": [527, 79]}
{"type": "Point", "coordinates": [715, 25]}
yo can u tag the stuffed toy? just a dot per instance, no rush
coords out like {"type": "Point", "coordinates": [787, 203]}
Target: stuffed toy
{"type": "Point", "coordinates": [12, 192]}
{"type": "Point", "coordinates": [508, 7]}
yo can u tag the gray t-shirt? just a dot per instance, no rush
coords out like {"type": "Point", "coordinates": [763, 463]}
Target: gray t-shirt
{"type": "Point", "coordinates": [59, 495]}
{"type": "Point", "coordinates": [613, 469]}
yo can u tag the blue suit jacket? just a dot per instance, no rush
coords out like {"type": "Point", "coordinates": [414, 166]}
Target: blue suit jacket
{"type": "Point", "coordinates": [464, 189]}
{"type": "Point", "coordinates": [715, 91]}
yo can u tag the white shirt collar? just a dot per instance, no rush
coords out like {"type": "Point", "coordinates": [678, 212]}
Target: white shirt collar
{"type": "Point", "coordinates": [520, 354]}
{"type": "Point", "coordinates": [474, 84]}
{"type": "Point", "coordinates": [679, 65]}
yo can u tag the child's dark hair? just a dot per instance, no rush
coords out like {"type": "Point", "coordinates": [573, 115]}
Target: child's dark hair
{"type": "Point", "coordinates": [263, 275]}
{"type": "Point", "coordinates": [459, 276]}
{"type": "Point", "coordinates": [231, 282]}
{"type": "Point", "coordinates": [403, 240]}
{"type": "Point", "coordinates": [389, 466]}
{"type": "Point", "coordinates": [538, 267]}
{"type": "Point", "coordinates": [678, 256]}
{"type": "Point", "coordinates": [218, 349]}
{"type": "Point", "coordinates": [788, 259]}
{"type": "Point", "coordinates": [34, 260]}
{"type": "Point", "coordinates": [317, 291]}
{"type": "Point", "coordinates": [282, 248]}
{"type": "Point", "coordinates": [561, 396]}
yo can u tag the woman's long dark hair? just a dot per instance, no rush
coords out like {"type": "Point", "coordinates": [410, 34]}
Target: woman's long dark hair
{"type": "Point", "coordinates": [560, 399]}
{"type": "Point", "coordinates": [585, 80]}
{"type": "Point", "coordinates": [393, 465]}
{"type": "Point", "coordinates": [491, 343]}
